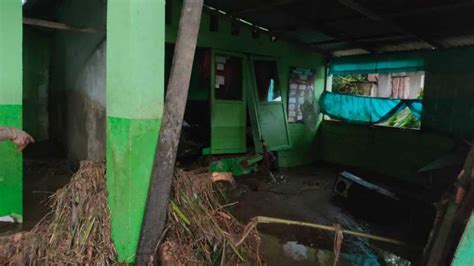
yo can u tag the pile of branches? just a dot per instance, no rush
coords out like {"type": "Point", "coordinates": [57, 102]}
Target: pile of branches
{"type": "Point", "coordinates": [76, 231]}
{"type": "Point", "coordinates": [200, 231]}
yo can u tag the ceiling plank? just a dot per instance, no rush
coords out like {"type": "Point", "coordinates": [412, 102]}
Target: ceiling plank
{"type": "Point", "coordinates": [352, 4]}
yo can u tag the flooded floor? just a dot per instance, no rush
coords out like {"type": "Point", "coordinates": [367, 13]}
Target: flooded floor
{"type": "Point", "coordinates": [307, 196]}
{"type": "Point", "coordinates": [41, 178]}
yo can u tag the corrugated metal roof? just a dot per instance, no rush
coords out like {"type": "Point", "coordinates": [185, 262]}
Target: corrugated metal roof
{"type": "Point", "coordinates": [349, 27]}
{"type": "Point", "coordinates": [458, 41]}
{"type": "Point", "coordinates": [405, 46]}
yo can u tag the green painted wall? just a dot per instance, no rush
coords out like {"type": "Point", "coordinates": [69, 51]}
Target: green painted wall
{"type": "Point", "coordinates": [10, 105]}
{"type": "Point", "coordinates": [449, 93]}
{"type": "Point", "coordinates": [36, 60]}
{"type": "Point", "coordinates": [390, 151]}
{"type": "Point", "coordinates": [303, 140]}
{"type": "Point", "coordinates": [135, 94]}
{"type": "Point", "coordinates": [448, 112]}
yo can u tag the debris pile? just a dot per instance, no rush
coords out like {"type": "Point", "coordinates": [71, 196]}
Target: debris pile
{"type": "Point", "coordinates": [200, 231]}
{"type": "Point", "coordinates": [76, 231]}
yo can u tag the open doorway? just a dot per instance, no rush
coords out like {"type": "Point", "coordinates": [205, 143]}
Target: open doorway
{"type": "Point", "coordinates": [63, 95]}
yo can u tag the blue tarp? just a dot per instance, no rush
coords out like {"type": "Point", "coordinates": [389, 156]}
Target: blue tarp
{"type": "Point", "coordinates": [365, 110]}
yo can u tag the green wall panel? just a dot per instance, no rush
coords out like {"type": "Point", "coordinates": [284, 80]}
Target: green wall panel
{"type": "Point", "coordinates": [465, 251]}
{"type": "Point", "coordinates": [10, 105]}
{"type": "Point", "coordinates": [391, 151]}
{"type": "Point", "coordinates": [11, 166]}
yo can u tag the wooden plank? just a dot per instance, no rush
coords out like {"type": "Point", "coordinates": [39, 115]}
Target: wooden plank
{"type": "Point", "coordinates": [435, 256]}
{"type": "Point", "coordinates": [56, 25]}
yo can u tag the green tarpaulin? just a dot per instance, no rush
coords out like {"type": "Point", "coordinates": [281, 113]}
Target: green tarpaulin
{"type": "Point", "coordinates": [365, 110]}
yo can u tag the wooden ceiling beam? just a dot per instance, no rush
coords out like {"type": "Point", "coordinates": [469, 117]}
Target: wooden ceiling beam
{"type": "Point", "coordinates": [372, 38]}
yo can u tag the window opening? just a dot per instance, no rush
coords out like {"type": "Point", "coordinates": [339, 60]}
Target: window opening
{"type": "Point", "coordinates": [266, 77]}
{"type": "Point", "coordinates": [400, 86]}
{"type": "Point", "coordinates": [228, 81]}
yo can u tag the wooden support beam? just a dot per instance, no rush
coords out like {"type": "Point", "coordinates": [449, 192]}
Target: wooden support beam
{"type": "Point", "coordinates": [56, 25]}
{"type": "Point", "coordinates": [353, 5]}
{"type": "Point", "coordinates": [154, 220]}
{"type": "Point", "coordinates": [373, 38]}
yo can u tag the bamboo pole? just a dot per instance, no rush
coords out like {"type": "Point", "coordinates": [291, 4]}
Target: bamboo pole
{"type": "Point", "coordinates": [270, 220]}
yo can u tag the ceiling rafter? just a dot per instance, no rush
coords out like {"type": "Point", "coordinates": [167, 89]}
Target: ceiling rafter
{"type": "Point", "coordinates": [372, 38]}
{"type": "Point", "coordinates": [352, 4]}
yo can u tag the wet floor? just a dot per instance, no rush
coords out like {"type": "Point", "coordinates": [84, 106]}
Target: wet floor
{"type": "Point", "coordinates": [307, 196]}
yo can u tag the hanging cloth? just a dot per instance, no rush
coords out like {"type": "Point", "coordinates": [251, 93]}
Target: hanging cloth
{"type": "Point", "coordinates": [365, 110]}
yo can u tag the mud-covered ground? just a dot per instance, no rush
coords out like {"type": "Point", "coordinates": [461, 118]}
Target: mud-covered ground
{"type": "Point", "coordinates": [41, 178]}
{"type": "Point", "coordinates": [307, 196]}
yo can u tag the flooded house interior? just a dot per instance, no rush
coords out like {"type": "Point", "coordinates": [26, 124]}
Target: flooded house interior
{"type": "Point", "coordinates": [213, 132]}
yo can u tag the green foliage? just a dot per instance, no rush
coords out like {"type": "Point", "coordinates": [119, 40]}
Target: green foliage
{"type": "Point", "coordinates": [404, 119]}
{"type": "Point", "coordinates": [349, 84]}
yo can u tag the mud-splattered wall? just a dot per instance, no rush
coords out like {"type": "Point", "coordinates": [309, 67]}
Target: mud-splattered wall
{"type": "Point", "coordinates": [77, 100]}
{"type": "Point", "coordinates": [36, 62]}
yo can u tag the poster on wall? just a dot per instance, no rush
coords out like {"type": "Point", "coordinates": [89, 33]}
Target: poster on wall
{"type": "Point", "coordinates": [301, 90]}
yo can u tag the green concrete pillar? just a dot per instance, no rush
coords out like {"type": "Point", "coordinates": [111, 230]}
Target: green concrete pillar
{"type": "Point", "coordinates": [11, 170]}
{"type": "Point", "coordinates": [465, 251]}
{"type": "Point", "coordinates": [135, 94]}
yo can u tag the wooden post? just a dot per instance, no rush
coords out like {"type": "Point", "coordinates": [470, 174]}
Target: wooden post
{"type": "Point", "coordinates": [154, 219]}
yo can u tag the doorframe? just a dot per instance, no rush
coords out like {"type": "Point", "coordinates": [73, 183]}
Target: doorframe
{"type": "Point", "coordinates": [243, 101]}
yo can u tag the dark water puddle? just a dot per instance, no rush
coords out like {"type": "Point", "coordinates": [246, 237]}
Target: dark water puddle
{"type": "Point", "coordinates": [277, 252]}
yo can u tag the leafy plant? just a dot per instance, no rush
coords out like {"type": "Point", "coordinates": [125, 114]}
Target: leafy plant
{"type": "Point", "coordinates": [349, 84]}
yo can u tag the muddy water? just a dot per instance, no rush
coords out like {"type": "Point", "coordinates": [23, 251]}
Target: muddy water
{"type": "Point", "coordinates": [41, 179]}
{"type": "Point", "coordinates": [276, 252]}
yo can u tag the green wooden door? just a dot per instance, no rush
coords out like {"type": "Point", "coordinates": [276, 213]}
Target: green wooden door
{"type": "Point", "coordinates": [229, 76]}
{"type": "Point", "coordinates": [268, 105]}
